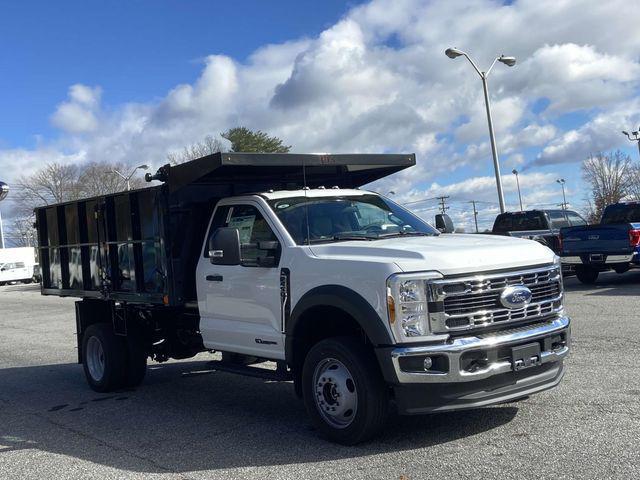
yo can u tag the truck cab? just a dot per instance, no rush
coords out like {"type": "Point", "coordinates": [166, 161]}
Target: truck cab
{"type": "Point", "coordinates": [358, 301]}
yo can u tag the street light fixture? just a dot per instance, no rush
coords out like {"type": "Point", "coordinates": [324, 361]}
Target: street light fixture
{"type": "Point", "coordinates": [127, 178]}
{"type": "Point", "coordinates": [564, 198]}
{"type": "Point", "coordinates": [634, 137]}
{"type": "Point", "coordinates": [515, 172]}
{"type": "Point", "coordinates": [4, 191]}
{"type": "Point", "coordinates": [510, 62]}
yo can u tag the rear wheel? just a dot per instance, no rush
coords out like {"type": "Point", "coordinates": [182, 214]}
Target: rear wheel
{"type": "Point", "coordinates": [104, 358]}
{"type": "Point", "coordinates": [587, 275]}
{"type": "Point", "coordinates": [343, 390]}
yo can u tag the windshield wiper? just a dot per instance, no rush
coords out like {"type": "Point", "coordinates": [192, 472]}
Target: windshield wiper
{"type": "Point", "coordinates": [341, 238]}
{"type": "Point", "coordinates": [405, 234]}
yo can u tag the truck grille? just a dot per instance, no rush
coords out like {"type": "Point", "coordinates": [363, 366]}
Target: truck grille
{"type": "Point", "coordinates": [474, 302]}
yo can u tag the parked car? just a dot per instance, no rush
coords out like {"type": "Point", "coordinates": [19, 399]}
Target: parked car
{"type": "Point", "coordinates": [613, 244]}
{"type": "Point", "coordinates": [359, 302]}
{"type": "Point", "coordinates": [18, 265]}
{"type": "Point", "coordinates": [542, 226]}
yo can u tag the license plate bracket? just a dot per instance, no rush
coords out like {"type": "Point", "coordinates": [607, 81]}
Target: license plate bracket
{"type": "Point", "coordinates": [525, 356]}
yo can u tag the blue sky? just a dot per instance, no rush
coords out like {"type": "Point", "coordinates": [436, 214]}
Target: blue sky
{"type": "Point", "coordinates": [135, 50]}
{"type": "Point", "coordinates": [133, 81]}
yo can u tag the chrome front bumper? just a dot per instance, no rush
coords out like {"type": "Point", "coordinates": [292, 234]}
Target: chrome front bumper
{"type": "Point", "coordinates": [454, 350]}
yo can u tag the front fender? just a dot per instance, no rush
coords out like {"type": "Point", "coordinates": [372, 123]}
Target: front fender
{"type": "Point", "coordinates": [346, 300]}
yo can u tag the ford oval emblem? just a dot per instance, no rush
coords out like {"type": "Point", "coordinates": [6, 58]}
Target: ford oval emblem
{"type": "Point", "coordinates": [517, 296]}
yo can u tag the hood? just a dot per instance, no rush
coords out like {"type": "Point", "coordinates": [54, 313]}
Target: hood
{"type": "Point", "coordinates": [449, 254]}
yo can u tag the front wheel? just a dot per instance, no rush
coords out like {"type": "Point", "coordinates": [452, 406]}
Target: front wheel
{"type": "Point", "coordinates": [343, 390]}
{"type": "Point", "coordinates": [587, 275]}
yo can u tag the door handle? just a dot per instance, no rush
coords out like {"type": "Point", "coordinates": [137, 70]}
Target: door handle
{"type": "Point", "coordinates": [214, 278]}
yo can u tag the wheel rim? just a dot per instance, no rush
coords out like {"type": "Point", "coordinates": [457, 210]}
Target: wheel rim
{"type": "Point", "coordinates": [335, 393]}
{"type": "Point", "coordinates": [95, 358]}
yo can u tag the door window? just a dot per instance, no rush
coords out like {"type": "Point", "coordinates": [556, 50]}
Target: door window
{"type": "Point", "coordinates": [256, 236]}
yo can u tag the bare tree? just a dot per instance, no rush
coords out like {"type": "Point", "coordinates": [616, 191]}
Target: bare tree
{"type": "Point", "coordinates": [53, 183]}
{"type": "Point", "coordinates": [634, 187]}
{"type": "Point", "coordinates": [22, 232]}
{"type": "Point", "coordinates": [610, 177]}
{"type": "Point", "coordinates": [97, 178]}
{"type": "Point", "coordinates": [207, 146]}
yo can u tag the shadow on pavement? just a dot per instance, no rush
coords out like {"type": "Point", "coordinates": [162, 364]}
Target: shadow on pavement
{"type": "Point", "coordinates": [608, 284]}
{"type": "Point", "coordinates": [188, 418]}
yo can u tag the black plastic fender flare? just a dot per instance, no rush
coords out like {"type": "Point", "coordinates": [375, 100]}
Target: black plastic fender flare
{"type": "Point", "coordinates": [346, 300]}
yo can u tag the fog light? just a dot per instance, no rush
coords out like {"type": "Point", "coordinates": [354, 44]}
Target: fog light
{"type": "Point", "coordinates": [428, 363]}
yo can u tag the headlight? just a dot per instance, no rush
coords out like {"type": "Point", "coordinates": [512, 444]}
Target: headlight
{"type": "Point", "coordinates": [407, 298]}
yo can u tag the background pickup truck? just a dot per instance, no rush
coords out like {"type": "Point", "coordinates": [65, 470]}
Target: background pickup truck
{"type": "Point", "coordinates": [542, 226]}
{"type": "Point", "coordinates": [614, 244]}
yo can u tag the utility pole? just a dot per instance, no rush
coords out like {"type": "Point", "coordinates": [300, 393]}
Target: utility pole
{"type": "Point", "coordinates": [443, 205]}
{"type": "Point", "coordinates": [475, 215]}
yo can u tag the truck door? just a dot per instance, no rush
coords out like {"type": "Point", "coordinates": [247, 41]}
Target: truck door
{"type": "Point", "coordinates": [240, 305]}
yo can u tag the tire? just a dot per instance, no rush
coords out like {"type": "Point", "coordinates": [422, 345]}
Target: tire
{"type": "Point", "coordinates": [104, 358]}
{"type": "Point", "coordinates": [587, 275]}
{"type": "Point", "coordinates": [622, 268]}
{"type": "Point", "coordinates": [355, 380]}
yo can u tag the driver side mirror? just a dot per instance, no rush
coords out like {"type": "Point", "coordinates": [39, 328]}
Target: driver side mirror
{"type": "Point", "coordinates": [444, 223]}
{"type": "Point", "coordinates": [224, 247]}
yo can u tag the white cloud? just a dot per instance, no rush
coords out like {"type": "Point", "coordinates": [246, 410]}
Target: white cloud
{"type": "Point", "coordinates": [378, 81]}
{"type": "Point", "coordinates": [79, 113]}
{"type": "Point", "coordinates": [600, 134]}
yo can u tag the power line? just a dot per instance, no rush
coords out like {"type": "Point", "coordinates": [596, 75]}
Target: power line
{"type": "Point", "coordinates": [420, 201]}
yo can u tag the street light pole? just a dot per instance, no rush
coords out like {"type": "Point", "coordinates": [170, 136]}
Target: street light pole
{"type": "Point", "coordinates": [515, 172]}
{"type": "Point", "coordinates": [564, 198]}
{"type": "Point", "coordinates": [4, 191]}
{"type": "Point", "coordinates": [634, 138]}
{"type": "Point", "coordinates": [1, 232]}
{"type": "Point", "coordinates": [127, 178]}
{"type": "Point", "coordinates": [510, 62]}
{"type": "Point", "coordinates": [494, 148]}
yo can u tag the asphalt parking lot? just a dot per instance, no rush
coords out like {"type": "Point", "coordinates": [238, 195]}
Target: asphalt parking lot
{"type": "Point", "coordinates": [187, 421]}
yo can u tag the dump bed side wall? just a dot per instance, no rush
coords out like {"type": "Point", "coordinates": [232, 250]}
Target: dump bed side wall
{"type": "Point", "coordinates": [111, 246]}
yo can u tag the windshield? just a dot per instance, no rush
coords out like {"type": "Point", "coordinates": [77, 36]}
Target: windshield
{"type": "Point", "coordinates": [353, 217]}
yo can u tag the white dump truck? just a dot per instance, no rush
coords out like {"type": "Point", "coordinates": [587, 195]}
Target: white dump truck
{"type": "Point", "coordinates": [292, 271]}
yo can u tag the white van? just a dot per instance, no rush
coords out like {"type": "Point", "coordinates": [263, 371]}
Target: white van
{"type": "Point", "coordinates": [18, 265]}
{"type": "Point", "coordinates": [16, 272]}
